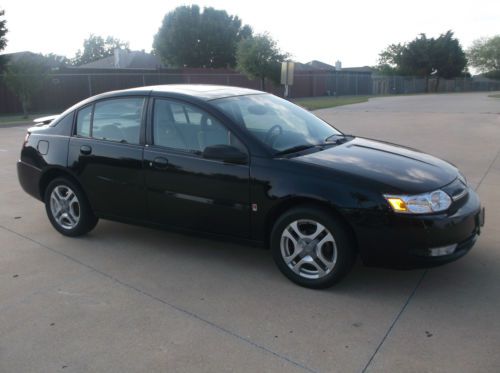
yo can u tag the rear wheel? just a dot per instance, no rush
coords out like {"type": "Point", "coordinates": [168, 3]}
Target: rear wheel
{"type": "Point", "coordinates": [312, 247]}
{"type": "Point", "coordinates": [68, 209]}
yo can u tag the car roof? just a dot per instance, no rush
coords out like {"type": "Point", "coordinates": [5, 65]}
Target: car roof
{"type": "Point", "coordinates": [203, 92]}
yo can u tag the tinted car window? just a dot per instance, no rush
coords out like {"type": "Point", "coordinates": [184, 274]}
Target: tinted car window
{"type": "Point", "coordinates": [185, 127]}
{"type": "Point", "coordinates": [276, 122]}
{"type": "Point", "coordinates": [118, 120]}
{"type": "Point", "coordinates": [180, 113]}
{"type": "Point", "coordinates": [83, 122]}
{"type": "Point", "coordinates": [63, 121]}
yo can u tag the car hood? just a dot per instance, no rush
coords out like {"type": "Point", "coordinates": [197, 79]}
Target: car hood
{"type": "Point", "coordinates": [399, 168]}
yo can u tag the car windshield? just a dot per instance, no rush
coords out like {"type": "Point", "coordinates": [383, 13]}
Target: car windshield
{"type": "Point", "coordinates": [279, 124]}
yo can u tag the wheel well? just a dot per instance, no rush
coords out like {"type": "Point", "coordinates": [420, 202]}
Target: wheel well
{"type": "Point", "coordinates": [50, 175]}
{"type": "Point", "coordinates": [279, 210]}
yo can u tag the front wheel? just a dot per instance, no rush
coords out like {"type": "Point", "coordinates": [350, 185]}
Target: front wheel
{"type": "Point", "coordinates": [68, 209]}
{"type": "Point", "coordinates": [312, 247]}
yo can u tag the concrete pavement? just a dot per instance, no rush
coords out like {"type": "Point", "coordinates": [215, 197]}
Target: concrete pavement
{"type": "Point", "coordinates": [134, 299]}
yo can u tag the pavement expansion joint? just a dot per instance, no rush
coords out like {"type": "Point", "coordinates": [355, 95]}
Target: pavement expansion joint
{"type": "Point", "coordinates": [170, 305]}
{"type": "Point", "coordinates": [398, 316]}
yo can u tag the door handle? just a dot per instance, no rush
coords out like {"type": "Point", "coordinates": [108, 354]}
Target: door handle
{"type": "Point", "coordinates": [159, 163]}
{"type": "Point", "coordinates": [85, 149]}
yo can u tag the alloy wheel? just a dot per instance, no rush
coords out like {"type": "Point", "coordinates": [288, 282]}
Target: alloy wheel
{"type": "Point", "coordinates": [308, 248]}
{"type": "Point", "coordinates": [65, 207]}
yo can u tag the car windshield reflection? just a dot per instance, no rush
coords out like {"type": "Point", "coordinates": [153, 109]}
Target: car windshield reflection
{"type": "Point", "coordinates": [277, 123]}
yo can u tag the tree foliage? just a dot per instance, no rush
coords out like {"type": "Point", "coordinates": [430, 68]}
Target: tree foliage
{"type": "Point", "coordinates": [3, 30]}
{"type": "Point", "coordinates": [417, 57]}
{"type": "Point", "coordinates": [441, 57]}
{"type": "Point", "coordinates": [25, 77]}
{"type": "Point", "coordinates": [3, 39]}
{"type": "Point", "coordinates": [484, 54]}
{"type": "Point", "coordinates": [96, 47]}
{"type": "Point", "coordinates": [448, 57]}
{"type": "Point", "coordinates": [390, 59]}
{"type": "Point", "coordinates": [259, 57]}
{"type": "Point", "coordinates": [56, 61]}
{"type": "Point", "coordinates": [191, 38]}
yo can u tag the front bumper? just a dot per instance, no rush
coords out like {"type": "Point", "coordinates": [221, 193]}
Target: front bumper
{"type": "Point", "coordinates": [408, 241]}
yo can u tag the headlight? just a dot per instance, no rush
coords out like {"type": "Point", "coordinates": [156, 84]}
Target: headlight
{"type": "Point", "coordinates": [419, 204]}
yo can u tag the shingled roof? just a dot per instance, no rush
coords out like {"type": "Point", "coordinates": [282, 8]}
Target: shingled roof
{"type": "Point", "coordinates": [126, 60]}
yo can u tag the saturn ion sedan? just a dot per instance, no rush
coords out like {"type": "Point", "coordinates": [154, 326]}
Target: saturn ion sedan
{"type": "Point", "coordinates": [246, 165]}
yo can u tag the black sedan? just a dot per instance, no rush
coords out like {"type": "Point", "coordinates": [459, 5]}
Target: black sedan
{"type": "Point", "coordinates": [247, 165]}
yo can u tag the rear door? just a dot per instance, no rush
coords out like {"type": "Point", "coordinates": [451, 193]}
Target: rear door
{"type": "Point", "coordinates": [106, 155]}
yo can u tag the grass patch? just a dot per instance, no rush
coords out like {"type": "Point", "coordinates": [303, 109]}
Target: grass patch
{"type": "Point", "coordinates": [314, 103]}
{"type": "Point", "coordinates": [497, 95]}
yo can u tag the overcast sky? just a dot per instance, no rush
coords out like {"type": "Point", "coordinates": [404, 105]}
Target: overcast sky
{"type": "Point", "coordinates": [351, 31]}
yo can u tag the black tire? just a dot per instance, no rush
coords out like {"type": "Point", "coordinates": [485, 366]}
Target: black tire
{"type": "Point", "coordinates": [86, 219]}
{"type": "Point", "coordinates": [341, 253]}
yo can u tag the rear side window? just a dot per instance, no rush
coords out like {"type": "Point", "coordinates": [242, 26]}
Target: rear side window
{"type": "Point", "coordinates": [118, 120]}
{"type": "Point", "coordinates": [114, 120]}
{"type": "Point", "coordinates": [83, 122]}
{"type": "Point", "coordinates": [65, 121]}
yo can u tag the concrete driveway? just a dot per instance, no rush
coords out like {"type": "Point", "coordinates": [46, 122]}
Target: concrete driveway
{"type": "Point", "coordinates": [132, 299]}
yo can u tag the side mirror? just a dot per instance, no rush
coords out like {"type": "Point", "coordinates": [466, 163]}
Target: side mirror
{"type": "Point", "coordinates": [225, 153]}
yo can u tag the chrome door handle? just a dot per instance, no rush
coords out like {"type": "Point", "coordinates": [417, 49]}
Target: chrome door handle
{"type": "Point", "coordinates": [159, 163]}
{"type": "Point", "coordinates": [85, 149]}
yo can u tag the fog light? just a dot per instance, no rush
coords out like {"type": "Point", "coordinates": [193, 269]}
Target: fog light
{"type": "Point", "coordinates": [443, 250]}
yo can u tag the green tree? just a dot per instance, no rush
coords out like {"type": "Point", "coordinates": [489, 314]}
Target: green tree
{"type": "Point", "coordinates": [3, 30]}
{"type": "Point", "coordinates": [442, 57]}
{"type": "Point", "coordinates": [56, 61]}
{"type": "Point", "coordinates": [413, 58]}
{"type": "Point", "coordinates": [390, 60]}
{"type": "Point", "coordinates": [259, 57]}
{"type": "Point", "coordinates": [191, 38]}
{"type": "Point", "coordinates": [96, 47]}
{"type": "Point", "coordinates": [448, 57]}
{"type": "Point", "coordinates": [25, 77]}
{"type": "Point", "coordinates": [3, 40]}
{"type": "Point", "coordinates": [484, 55]}
{"type": "Point", "coordinates": [417, 57]}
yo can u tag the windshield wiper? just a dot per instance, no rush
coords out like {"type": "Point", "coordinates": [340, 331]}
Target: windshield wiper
{"type": "Point", "coordinates": [295, 149]}
{"type": "Point", "coordinates": [341, 138]}
{"type": "Point", "coordinates": [328, 141]}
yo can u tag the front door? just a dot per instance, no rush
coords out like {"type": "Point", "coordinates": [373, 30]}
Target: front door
{"type": "Point", "coordinates": [186, 191]}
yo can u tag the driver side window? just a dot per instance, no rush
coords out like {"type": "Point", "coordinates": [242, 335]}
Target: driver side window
{"type": "Point", "coordinates": [185, 127]}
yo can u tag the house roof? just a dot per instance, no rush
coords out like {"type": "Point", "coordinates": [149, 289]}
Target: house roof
{"type": "Point", "coordinates": [16, 56]}
{"type": "Point", "coordinates": [125, 60]}
{"type": "Point", "coordinates": [322, 66]}
{"type": "Point", "coordinates": [360, 69]}
{"type": "Point", "coordinates": [318, 65]}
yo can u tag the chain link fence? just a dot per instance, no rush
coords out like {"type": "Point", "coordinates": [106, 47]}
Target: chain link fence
{"type": "Point", "coordinates": [384, 85]}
